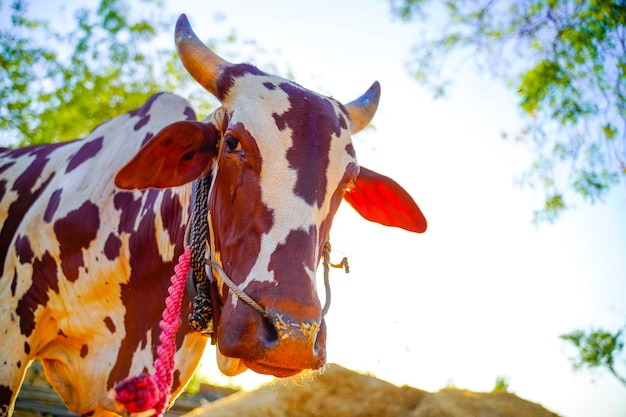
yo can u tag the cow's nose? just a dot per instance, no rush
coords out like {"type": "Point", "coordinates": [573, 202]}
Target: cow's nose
{"type": "Point", "coordinates": [283, 330]}
{"type": "Point", "coordinates": [287, 337]}
{"type": "Point", "coordinates": [286, 346]}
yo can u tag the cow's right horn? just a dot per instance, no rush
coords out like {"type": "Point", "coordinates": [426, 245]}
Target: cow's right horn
{"type": "Point", "coordinates": [363, 108]}
{"type": "Point", "coordinates": [201, 63]}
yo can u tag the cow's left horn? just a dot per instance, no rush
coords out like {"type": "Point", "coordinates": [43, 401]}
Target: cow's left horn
{"type": "Point", "coordinates": [203, 65]}
{"type": "Point", "coordinates": [363, 108]}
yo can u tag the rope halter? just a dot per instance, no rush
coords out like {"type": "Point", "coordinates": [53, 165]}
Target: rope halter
{"type": "Point", "coordinates": [239, 293]}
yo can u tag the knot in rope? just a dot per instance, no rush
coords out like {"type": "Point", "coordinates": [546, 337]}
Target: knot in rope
{"type": "Point", "coordinates": [145, 392]}
{"type": "Point", "coordinates": [139, 393]}
{"type": "Point", "coordinates": [327, 264]}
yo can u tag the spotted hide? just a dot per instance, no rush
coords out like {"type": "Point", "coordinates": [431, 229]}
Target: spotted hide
{"type": "Point", "coordinates": [90, 231]}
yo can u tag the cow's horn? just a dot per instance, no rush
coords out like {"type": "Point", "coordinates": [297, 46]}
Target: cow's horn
{"type": "Point", "coordinates": [363, 108]}
{"type": "Point", "coordinates": [203, 65]}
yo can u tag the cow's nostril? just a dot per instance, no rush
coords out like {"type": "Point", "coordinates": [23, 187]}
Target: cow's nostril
{"type": "Point", "coordinates": [270, 335]}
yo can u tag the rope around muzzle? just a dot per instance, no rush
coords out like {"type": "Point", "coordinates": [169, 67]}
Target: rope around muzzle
{"type": "Point", "coordinates": [205, 302]}
{"type": "Point", "coordinates": [239, 293]}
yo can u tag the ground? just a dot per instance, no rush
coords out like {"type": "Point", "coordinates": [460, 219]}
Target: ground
{"type": "Point", "coordinates": [336, 392]}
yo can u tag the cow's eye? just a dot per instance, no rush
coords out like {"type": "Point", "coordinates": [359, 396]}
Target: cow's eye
{"type": "Point", "coordinates": [232, 144]}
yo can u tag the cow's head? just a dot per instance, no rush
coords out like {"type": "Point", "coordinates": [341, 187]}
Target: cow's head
{"type": "Point", "coordinates": [282, 159]}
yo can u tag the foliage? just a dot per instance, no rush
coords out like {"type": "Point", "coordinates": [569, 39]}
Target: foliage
{"type": "Point", "coordinates": [503, 384]}
{"type": "Point", "coordinates": [103, 65]}
{"type": "Point", "coordinates": [193, 386]}
{"type": "Point", "coordinates": [598, 349]}
{"type": "Point", "coordinates": [567, 61]}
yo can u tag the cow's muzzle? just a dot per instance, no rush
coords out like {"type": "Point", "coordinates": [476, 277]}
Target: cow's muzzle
{"type": "Point", "coordinates": [278, 336]}
{"type": "Point", "coordinates": [290, 346]}
{"type": "Point", "coordinates": [275, 343]}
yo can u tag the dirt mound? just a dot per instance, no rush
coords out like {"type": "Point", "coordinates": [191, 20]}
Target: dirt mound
{"type": "Point", "coordinates": [339, 392]}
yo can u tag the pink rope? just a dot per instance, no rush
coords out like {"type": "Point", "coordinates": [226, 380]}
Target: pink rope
{"type": "Point", "coordinates": [144, 392]}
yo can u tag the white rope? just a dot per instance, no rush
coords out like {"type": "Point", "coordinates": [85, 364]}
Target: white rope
{"type": "Point", "coordinates": [236, 290]}
{"type": "Point", "coordinates": [239, 293]}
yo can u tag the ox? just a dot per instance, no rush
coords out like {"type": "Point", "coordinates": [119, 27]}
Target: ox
{"type": "Point", "coordinates": [91, 230]}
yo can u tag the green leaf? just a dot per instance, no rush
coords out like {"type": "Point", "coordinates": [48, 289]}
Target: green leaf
{"type": "Point", "coordinates": [568, 64]}
{"type": "Point", "coordinates": [553, 207]}
{"type": "Point", "coordinates": [596, 349]}
{"type": "Point", "coordinates": [610, 131]}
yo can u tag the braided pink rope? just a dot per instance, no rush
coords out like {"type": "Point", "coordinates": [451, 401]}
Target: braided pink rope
{"type": "Point", "coordinates": [144, 392]}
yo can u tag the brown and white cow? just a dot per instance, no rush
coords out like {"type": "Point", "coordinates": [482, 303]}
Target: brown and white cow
{"type": "Point", "coordinates": [86, 264]}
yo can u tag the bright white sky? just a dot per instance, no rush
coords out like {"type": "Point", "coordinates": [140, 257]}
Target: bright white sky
{"type": "Point", "coordinates": [482, 293]}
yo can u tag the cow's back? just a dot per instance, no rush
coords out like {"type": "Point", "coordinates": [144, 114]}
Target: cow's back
{"type": "Point", "coordinates": [85, 266]}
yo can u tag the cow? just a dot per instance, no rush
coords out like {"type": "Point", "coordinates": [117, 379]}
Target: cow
{"type": "Point", "coordinates": [90, 231]}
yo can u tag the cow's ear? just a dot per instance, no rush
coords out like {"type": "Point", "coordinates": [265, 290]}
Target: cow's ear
{"type": "Point", "coordinates": [178, 154]}
{"type": "Point", "coordinates": [382, 200]}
